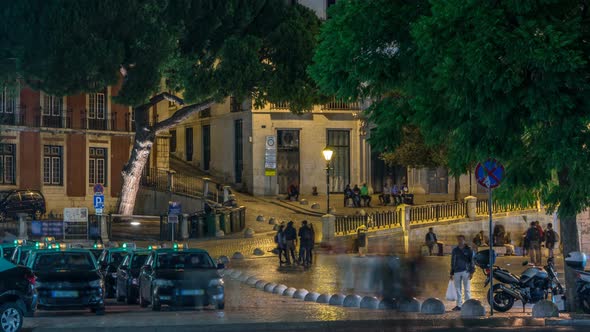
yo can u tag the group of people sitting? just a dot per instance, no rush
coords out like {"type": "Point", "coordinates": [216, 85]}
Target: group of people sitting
{"type": "Point", "coordinates": [357, 195]}
{"type": "Point", "coordinates": [395, 194]}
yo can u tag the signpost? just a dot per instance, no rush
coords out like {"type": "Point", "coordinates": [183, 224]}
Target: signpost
{"type": "Point", "coordinates": [270, 156]}
{"type": "Point", "coordinates": [174, 210]}
{"type": "Point", "coordinates": [489, 174]}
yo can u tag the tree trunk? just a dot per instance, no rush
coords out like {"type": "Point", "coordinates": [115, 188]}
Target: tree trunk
{"type": "Point", "coordinates": [145, 135]}
{"type": "Point", "coordinates": [457, 187]}
{"type": "Point", "coordinates": [133, 170]}
{"type": "Point", "coordinates": [569, 238]}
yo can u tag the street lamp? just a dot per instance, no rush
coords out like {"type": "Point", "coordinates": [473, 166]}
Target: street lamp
{"type": "Point", "coordinates": [328, 152]}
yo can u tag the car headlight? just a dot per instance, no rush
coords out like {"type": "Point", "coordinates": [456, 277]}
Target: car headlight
{"type": "Point", "coordinates": [134, 281]}
{"type": "Point", "coordinates": [96, 283]}
{"type": "Point", "coordinates": [163, 283]}
{"type": "Point", "coordinates": [216, 283]}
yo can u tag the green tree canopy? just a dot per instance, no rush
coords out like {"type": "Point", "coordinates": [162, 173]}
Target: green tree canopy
{"type": "Point", "coordinates": [207, 49]}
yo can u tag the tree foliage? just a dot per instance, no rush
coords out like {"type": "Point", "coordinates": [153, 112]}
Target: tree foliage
{"type": "Point", "coordinates": [206, 48]}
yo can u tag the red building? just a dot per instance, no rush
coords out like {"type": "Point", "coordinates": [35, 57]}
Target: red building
{"type": "Point", "coordinates": [62, 146]}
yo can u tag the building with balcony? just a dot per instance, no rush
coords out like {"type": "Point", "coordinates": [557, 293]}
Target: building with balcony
{"type": "Point", "coordinates": [63, 146]}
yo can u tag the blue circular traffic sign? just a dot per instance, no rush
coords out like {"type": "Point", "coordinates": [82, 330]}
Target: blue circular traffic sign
{"type": "Point", "coordinates": [490, 173]}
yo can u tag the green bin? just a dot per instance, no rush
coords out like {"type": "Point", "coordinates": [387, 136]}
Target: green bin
{"type": "Point", "coordinates": [210, 218]}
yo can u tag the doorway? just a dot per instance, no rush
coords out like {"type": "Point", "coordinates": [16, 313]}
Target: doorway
{"type": "Point", "coordinates": [287, 159]}
{"type": "Point", "coordinates": [188, 143]}
{"type": "Point", "coordinates": [239, 150]}
{"type": "Point", "coordinates": [206, 147]}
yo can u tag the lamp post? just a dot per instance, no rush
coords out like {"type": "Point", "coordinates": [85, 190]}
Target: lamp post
{"type": "Point", "coordinates": [328, 152]}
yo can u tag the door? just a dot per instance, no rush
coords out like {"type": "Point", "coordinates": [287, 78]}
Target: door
{"type": "Point", "coordinates": [287, 159]}
{"type": "Point", "coordinates": [188, 140]}
{"type": "Point", "coordinates": [206, 147]}
{"type": "Point", "coordinates": [339, 141]}
{"type": "Point", "coordinates": [239, 150]}
{"type": "Point", "coordinates": [438, 180]}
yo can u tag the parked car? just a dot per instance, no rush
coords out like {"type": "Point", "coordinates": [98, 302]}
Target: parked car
{"type": "Point", "coordinates": [17, 295]}
{"type": "Point", "coordinates": [128, 276]}
{"type": "Point", "coordinates": [67, 279]}
{"type": "Point", "coordinates": [180, 276]}
{"type": "Point", "coordinates": [13, 202]}
{"type": "Point", "coordinates": [109, 262]}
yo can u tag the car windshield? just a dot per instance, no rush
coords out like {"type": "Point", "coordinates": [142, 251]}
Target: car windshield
{"type": "Point", "coordinates": [8, 252]}
{"type": "Point", "coordinates": [117, 258]}
{"type": "Point", "coordinates": [184, 260]}
{"type": "Point", "coordinates": [56, 261]}
{"type": "Point", "coordinates": [138, 260]}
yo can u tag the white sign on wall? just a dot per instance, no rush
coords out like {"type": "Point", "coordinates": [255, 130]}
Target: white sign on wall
{"type": "Point", "coordinates": [76, 214]}
{"type": "Point", "coordinates": [270, 156]}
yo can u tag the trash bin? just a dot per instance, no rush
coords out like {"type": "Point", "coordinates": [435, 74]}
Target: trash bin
{"type": "Point", "coordinates": [225, 221]}
{"type": "Point", "coordinates": [242, 217]}
{"type": "Point", "coordinates": [235, 222]}
{"type": "Point", "coordinates": [362, 240]}
{"type": "Point", "coordinates": [197, 222]}
{"type": "Point", "coordinates": [210, 222]}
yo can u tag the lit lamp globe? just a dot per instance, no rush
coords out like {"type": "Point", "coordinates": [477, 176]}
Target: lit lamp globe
{"type": "Point", "coordinates": [328, 152]}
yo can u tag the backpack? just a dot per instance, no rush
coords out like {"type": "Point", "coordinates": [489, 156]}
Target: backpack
{"type": "Point", "coordinates": [552, 236]}
{"type": "Point", "coordinates": [533, 234]}
{"type": "Point", "coordinates": [306, 234]}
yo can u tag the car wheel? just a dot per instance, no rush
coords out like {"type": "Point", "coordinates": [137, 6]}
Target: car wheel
{"type": "Point", "coordinates": [220, 306]}
{"type": "Point", "coordinates": [118, 296]}
{"type": "Point", "coordinates": [130, 299]}
{"type": "Point", "coordinates": [142, 302]}
{"type": "Point", "coordinates": [11, 317]}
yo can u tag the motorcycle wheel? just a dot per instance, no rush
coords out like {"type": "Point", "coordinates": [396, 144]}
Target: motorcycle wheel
{"type": "Point", "coordinates": [500, 301]}
{"type": "Point", "coordinates": [585, 303]}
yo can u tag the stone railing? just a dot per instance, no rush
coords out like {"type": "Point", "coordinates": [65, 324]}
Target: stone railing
{"type": "Point", "coordinates": [405, 216]}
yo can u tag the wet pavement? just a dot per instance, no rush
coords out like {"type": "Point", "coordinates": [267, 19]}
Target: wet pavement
{"type": "Point", "coordinates": [350, 274]}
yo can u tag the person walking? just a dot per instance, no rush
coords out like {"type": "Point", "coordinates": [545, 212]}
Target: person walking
{"type": "Point", "coordinates": [534, 239]}
{"type": "Point", "coordinates": [431, 241]}
{"type": "Point", "coordinates": [281, 244]}
{"type": "Point", "coordinates": [305, 243]}
{"type": "Point", "coordinates": [551, 238]}
{"type": "Point", "coordinates": [462, 269]}
{"type": "Point", "coordinates": [291, 242]}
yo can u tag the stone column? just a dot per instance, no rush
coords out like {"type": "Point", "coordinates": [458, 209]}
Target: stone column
{"type": "Point", "coordinates": [184, 227]}
{"type": "Point", "coordinates": [328, 228]}
{"type": "Point", "coordinates": [22, 226]}
{"type": "Point", "coordinates": [206, 188]}
{"type": "Point", "coordinates": [104, 230]}
{"type": "Point", "coordinates": [471, 207]}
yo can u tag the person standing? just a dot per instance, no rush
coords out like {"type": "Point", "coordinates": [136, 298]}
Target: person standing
{"type": "Point", "coordinates": [281, 244]}
{"type": "Point", "coordinates": [431, 241]}
{"type": "Point", "coordinates": [462, 269]}
{"type": "Point", "coordinates": [550, 239]}
{"type": "Point", "coordinates": [291, 242]}
{"type": "Point", "coordinates": [534, 239]}
{"type": "Point", "coordinates": [365, 195]}
{"type": "Point", "coordinates": [305, 243]}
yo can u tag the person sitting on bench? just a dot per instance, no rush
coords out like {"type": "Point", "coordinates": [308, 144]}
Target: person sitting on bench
{"type": "Point", "coordinates": [431, 240]}
{"type": "Point", "coordinates": [292, 191]}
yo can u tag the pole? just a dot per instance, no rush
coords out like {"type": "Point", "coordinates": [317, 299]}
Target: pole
{"type": "Point", "coordinates": [328, 186]}
{"type": "Point", "coordinates": [491, 242]}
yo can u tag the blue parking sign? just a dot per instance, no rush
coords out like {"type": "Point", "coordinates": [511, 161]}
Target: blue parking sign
{"type": "Point", "coordinates": [99, 202]}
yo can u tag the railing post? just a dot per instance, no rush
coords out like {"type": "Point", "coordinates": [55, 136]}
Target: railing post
{"type": "Point", "coordinates": [471, 202]}
{"type": "Point", "coordinates": [206, 187]}
{"type": "Point", "coordinates": [328, 228]}
{"type": "Point", "coordinates": [170, 185]}
{"type": "Point", "coordinates": [404, 212]}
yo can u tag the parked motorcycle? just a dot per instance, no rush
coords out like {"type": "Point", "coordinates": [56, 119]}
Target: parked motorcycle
{"type": "Point", "coordinates": [577, 261]}
{"type": "Point", "coordinates": [532, 286]}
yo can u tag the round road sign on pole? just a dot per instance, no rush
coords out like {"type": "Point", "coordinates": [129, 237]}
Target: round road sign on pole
{"type": "Point", "coordinates": [490, 173]}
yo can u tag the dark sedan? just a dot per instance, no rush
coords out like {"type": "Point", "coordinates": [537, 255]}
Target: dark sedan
{"type": "Point", "coordinates": [180, 277]}
{"type": "Point", "coordinates": [17, 295]}
{"type": "Point", "coordinates": [67, 279]}
{"type": "Point", "coordinates": [128, 276]}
